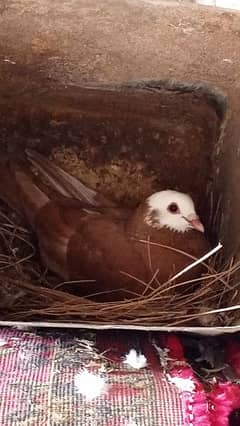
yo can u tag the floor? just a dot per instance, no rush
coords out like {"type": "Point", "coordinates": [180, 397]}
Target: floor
{"type": "Point", "coordinates": [56, 378]}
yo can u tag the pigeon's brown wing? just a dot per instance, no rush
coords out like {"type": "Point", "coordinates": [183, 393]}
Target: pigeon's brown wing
{"type": "Point", "coordinates": [78, 243]}
{"type": "Point", "coordinates": [101, 250]}
{"type": "Point", "coordinates": [55, 224]}
{"type": "Point", "coordinates": [73, 210]}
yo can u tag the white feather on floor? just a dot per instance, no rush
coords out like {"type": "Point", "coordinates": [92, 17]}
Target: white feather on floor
{"type": "Point", "coordinates": [90, 385]}
{"type": "Point", "coordinates": [135, 360]}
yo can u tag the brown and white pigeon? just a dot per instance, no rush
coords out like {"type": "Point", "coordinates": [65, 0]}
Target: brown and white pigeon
{"type": "Point", "coordinates": [83, 235]}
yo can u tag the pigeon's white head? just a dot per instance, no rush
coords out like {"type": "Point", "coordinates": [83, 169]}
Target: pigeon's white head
{"type": "Point", "coordinates": [174, 210]}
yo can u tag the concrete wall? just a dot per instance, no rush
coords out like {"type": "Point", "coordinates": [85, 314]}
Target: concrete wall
{"type": "Point", "coordinates": [45, 45]}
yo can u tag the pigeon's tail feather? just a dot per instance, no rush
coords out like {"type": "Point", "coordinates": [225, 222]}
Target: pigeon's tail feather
{"type": "Point", "coordinates": [19, 191]}
{"type": "Point", "coordinates": [61, 181]}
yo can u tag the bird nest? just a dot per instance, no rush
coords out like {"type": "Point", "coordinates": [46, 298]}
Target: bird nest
{"type": "Point", "coordinates": [125, 157]}
{"type": "Point", "coordinates": [30, 293]}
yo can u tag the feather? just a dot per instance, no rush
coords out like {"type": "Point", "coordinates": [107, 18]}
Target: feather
{"type": "Point", "coordinates": [63, 182]}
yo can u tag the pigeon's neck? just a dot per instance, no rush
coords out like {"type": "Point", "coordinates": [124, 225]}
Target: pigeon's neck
{"type": "Point", "coordinates": [140, 223]}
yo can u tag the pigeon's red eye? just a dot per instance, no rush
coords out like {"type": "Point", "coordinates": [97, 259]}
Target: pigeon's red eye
{"type": "Point", "coordinates": [173, 208]}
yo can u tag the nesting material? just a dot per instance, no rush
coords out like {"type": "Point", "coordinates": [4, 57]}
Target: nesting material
{"type": "Point", "coordinates": [39, 295]}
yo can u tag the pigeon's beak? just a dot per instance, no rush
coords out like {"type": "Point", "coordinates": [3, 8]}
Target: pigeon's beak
{"type": "Point", "coordinates": [194, 220]}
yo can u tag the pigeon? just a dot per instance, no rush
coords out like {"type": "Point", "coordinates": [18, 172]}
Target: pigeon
{"type": "Point", "coordinates": [122, 253]}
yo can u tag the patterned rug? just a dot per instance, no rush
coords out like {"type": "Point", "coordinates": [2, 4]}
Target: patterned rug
{"type": "Point", "coordinates": [116, 379]}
